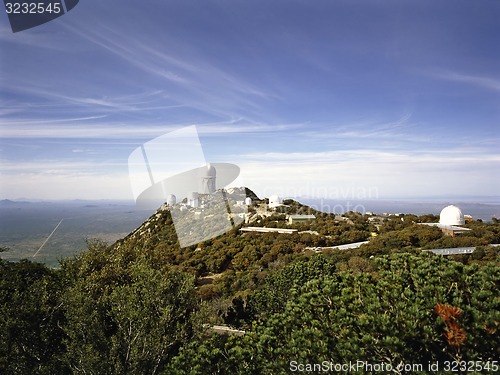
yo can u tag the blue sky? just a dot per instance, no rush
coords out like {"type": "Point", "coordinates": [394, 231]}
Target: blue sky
{"type": "Point", "coordinates": [335, 99]}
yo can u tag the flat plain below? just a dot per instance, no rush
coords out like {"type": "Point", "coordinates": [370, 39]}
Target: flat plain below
{"type": "Point", "coordinates": [25, 226]}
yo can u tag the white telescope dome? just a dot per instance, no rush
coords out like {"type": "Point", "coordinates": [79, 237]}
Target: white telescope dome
{"type": "Point", "coordinates": [451, 215]}
{"type": "Point", "coordinates": [274, 201]}
{"type": "Point", "coordinates": [211, 172]}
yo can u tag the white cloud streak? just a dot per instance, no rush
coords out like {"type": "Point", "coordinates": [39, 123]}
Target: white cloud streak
{"type": "Point", "coordinates": [68, 129]}
{"type": "Point", "coordinates": [377, 156]}
{"type": "Point", "coordinates": [198, 82]}
{"type": "Point", "coordinates": [489, 83]}
{"type": "Point", "coordinates": [66, 168]}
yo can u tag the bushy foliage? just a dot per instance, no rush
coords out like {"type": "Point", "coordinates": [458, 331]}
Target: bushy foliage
{"type": "Point", "coordinates": [126, 314]}
{"type": "Point", "coordinates": [392, 315]}
{"type": "Point", "coordinates": [31, 314]}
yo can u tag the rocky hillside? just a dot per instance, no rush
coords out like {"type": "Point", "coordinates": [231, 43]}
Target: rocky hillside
{"type": "Point", "coordinates": [219, 212]}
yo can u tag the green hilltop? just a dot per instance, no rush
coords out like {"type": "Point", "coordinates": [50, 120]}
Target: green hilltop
{"type": "Point", "coordinates": [283, 300]}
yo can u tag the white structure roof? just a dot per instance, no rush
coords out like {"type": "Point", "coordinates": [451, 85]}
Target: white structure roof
{"type": "Point", "coordinates": [443, 226]}
{"type": "Point", "coordinates": [274, 201]}
{"type": "Point", "coordinates": [347, 246]}
{"type": "Point", "coordinates": [451, 215]}
{"type": "Point", "coordinates": [268, 230]}
{"type": "Point", "coordinates": [453, 251]}
{"type": "Point", "coordinates": [303, 217]}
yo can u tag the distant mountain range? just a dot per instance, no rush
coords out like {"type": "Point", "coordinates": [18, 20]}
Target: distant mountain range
{"type": "Point", "coordinates": [10, 203]}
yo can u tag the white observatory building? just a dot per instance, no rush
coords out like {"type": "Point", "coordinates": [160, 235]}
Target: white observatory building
{"type": "Point", "coordinates": [275, 201]}
{"type": "Point", "coordinates": [208, 180]}
{"type": "Point", "coordinates": [451, 215]}
{"type": "Point", "coordinates": [449, 220]}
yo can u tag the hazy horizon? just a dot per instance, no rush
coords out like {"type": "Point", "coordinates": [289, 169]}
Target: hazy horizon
{"type": "Point", "coordinates": [494, 199]}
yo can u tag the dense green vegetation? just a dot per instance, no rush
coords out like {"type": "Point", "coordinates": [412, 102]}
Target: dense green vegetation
{"type": "Point", "coordinates": [144, 305]}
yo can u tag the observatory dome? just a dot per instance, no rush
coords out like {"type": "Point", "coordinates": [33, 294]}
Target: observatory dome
{"type": "Point", "coordinates": [171, 200]}
{"type": "Point", "coordinates": [451, 215]}
{"type": "Point", "coordinates": [274, 201]}
{"type": "Point", "coordinates": [211, 172]}
{"type": "Point", "coordinates": [208, 184]}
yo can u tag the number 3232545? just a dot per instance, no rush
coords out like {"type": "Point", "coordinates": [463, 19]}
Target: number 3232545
{"type": "Point", "coordinates": [33, 8]}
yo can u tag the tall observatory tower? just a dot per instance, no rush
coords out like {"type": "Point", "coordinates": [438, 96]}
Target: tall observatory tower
{"type": "Point", "coordinates": [208, 180]}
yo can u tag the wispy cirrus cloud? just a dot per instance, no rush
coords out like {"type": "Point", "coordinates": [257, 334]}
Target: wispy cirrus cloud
{"type": "Point", "coordinates": [481, 81]}
{"type": "Point", "coordinates": [388, 133]}
{"type": "Point", "coordinates": [191, 78]}
{"type": "Point", "coordinates": [374, 128]}
{"type": "Point", "coordinates": [67, 128]}
{"type": "Point", "coordinates": [175, 74]}
{"type": "Point", "coordinates": [51, 166]}
{"type": "Point", "coordinates": [426, 156]}
{"type": "Point", "coordinates": [43, 97]}
{"type": "Point", "coordinates": [28, 122]}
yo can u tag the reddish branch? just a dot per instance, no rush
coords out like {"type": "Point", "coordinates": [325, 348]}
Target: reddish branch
{"type": "Point", "coordinates": [455, 335]}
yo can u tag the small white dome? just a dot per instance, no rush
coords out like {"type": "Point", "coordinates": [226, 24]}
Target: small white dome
{"type": "Point", "coordinates": [211, 172]}
{"type": "Point", "coordinates": [451, 215]}
{"type": "Point", "coordinates": [171, 200]}
{"type": "Point", "coordinates": [248, 201]}
{"type": "Point", "coordinates": [274, 201]}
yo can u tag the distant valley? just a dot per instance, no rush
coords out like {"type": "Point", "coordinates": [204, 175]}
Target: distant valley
{"type": "Point", "coordinates": [24, 226]}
